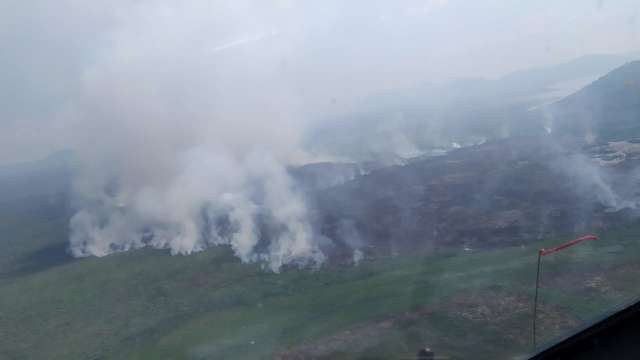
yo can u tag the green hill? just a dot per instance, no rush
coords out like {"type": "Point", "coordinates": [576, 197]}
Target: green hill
{"type": "Point", "coordinates": [149, 305]}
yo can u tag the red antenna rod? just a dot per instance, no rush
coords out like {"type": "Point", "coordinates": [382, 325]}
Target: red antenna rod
{"type": "Point", "coordinates": [542, 252]}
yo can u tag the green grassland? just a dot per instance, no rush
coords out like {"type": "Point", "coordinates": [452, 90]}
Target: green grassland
{"type": "Point", "coordinates": [147, 304]}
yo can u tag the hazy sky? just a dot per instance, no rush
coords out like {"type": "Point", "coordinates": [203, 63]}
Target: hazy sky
{"type": "Point", "coordinates": [302, 53]}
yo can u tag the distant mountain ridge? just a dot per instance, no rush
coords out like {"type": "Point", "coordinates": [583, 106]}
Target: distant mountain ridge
{"type": "Point", "coordinates": [585, 66]}
{"type": "Point", "coordinates": [512, 190]}
{"type": "Point", "coordinates": [430, 116]}
{"type": "Point", "coordinates": [607, 109]}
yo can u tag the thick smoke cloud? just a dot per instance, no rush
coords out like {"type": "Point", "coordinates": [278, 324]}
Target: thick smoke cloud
{"type": "Point", "coordinates": [213, 199]}
{"type": "Point", "coordinates": [180, 151]}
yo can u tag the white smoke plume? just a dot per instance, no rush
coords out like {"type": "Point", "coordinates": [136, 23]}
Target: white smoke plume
{"type": "Point", "coordinates": [179, 151]}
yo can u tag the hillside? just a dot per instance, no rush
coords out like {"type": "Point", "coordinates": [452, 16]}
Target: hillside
{"type": "Point", "coordinates": [506, 192]}
{"type": "Point", "coordinates": [607, 109]}
{"type": "Point", "coordinates": [588, 66]}
{"type": "Point", "coordinates": [430, 116]}
{"type": "Point", "coordinates": [146, 304]}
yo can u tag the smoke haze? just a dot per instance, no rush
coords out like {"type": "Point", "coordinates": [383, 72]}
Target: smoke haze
{"type": "Point", "coordinates": [180, 154]}
{"type": "Point", "coordinates": [185, 115]}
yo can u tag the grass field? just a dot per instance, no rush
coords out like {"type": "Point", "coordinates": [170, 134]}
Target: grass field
{"type": "Point", "coordinates": [149, 305]}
